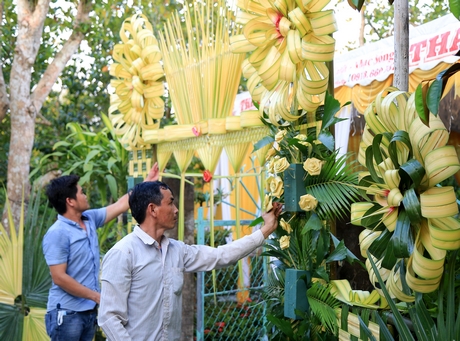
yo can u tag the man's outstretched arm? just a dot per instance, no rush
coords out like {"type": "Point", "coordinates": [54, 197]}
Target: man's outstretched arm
{"type": "Point", "coordinates": [205, 258]}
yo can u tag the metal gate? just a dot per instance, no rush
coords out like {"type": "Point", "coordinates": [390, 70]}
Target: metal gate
{"type": "Point", "coordinates": [225, 310]}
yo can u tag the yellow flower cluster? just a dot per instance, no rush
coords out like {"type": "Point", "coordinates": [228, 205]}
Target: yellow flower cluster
{"type": "Point", "coordinates": [290, 43]}
{"type": "Point", "coordinates": [277, 165]}
{"type": "Point", "coordinates": [137, 105]}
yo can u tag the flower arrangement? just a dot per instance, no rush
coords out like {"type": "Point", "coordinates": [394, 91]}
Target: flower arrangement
{"type": "Point", "coordinates": [329, 183]}
{"type": "Point", "coordinates": [325, 184]}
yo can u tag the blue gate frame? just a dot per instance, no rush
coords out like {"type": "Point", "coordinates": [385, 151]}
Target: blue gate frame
{"type": "Point", "coordinates": [201, 225]}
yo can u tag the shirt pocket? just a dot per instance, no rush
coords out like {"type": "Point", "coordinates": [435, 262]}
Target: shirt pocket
{"type": "Point", "coordinates": [177, 280]}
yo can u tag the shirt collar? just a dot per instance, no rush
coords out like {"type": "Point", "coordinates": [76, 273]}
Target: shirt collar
{"type": "Point", "coordinates": [146, 239]}
{"type": "Point", "coordinates": [71, 222]}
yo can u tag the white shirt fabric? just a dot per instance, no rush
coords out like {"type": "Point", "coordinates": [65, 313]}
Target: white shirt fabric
{"type": "Point", "coordinates": [141, 293]}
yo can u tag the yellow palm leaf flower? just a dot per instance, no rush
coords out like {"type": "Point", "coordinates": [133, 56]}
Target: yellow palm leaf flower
{"type": "Point", "coordinates": [406, 161]}
{"type": "Point", "coordinates": [285, 225]}
{"type": "Point", "coordinates": [284, 242]}
{"type": "Point", "coordinates": [136, 106]}
{"type": "Point", "coordinates": [289, 43]}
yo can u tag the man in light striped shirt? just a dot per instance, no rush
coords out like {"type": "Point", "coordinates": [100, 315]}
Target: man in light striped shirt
{"type": "Point", "coordinates": [143, 274]}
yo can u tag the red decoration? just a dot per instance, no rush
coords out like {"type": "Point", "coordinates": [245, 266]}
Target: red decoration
{"type": "Point", "coordinates": [207, 176]}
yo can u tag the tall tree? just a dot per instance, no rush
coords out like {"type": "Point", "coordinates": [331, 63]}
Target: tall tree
{"type": "Point", "coordinates": [33, 58]}
{"type": "Point", "coordinates": [24, 98]}
{"type": "Point", "coordinates": [377, 17]}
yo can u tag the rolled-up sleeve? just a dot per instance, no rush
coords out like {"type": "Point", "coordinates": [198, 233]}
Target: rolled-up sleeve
{"type": "Point", "coordinates": [115, 287]}
{"type": "Point", "coordinates": [206, 258]}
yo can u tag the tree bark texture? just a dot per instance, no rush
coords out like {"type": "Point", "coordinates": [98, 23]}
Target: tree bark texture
{"type": "Point", "coordinates": [401, 44]}
{"type": "Point", "coordinates": [4, 100]}
{"type": "Point", "coordinates": [23, 104]}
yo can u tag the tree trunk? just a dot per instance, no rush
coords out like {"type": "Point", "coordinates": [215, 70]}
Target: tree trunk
{"type": "Point", "coordinates": [23, 112]}
{"type": "Point", "coordinates": [401, 44]}
{"type": "Point", "coordinates": [189, 289]}
{"type": "Point", "coordinates": [24, 105]}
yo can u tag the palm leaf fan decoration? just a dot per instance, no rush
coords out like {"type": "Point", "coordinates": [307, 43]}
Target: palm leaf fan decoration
{"type": "Point", "coordinates": [202, 73]}
{"type": "Point", "coordinates": [25, 279]}
{"type": "Point", "coordinates": [202, 76]}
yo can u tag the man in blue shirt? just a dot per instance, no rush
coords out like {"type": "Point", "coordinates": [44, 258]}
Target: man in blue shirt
{"type": "Point", "coordinates": [71, 251]}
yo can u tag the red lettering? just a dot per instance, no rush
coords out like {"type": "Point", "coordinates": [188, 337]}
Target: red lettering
{"type": "Point", "coordinates": [362, 63]}
{"type": "Point", "coordinates": [438, 45]}
{"type": "Point", "coordinates": [456, 42]}
{"type": "Point", "coordinates": [415, 50]}
{"type": "Point", "coordinates": [384, 58]}
{"type": "Point", "coordinates": [246, 104]}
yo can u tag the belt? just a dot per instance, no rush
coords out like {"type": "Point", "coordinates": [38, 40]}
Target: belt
{"type": "Point", "coordinates": [94, 310]}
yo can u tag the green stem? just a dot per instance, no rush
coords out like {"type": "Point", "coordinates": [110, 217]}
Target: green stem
{"type": "Point", "coordinates": [292, 260]}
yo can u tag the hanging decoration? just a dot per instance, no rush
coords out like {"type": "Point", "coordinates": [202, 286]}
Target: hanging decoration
{"type": "Point", "coordinates": [409, 219]}
{"type": "Point", "coordinates": [289, 44]}
{"type": "Point", "coordinates": [136, 106]}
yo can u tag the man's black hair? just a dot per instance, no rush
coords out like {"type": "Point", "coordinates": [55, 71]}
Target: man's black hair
{"type": "Point", "coordinates": [59, 189]}
{"type": "Point", "coordinates": [143, 194]}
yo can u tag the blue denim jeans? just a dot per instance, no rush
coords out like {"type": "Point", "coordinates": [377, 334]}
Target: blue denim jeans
{"type": "Point", "coordinates": [69, 325]}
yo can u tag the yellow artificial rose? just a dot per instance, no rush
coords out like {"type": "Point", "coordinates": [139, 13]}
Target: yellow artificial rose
{"type": "Point", "coordinates": [277, 187]}
{"type": "Point", "coordinates": [271, 164]}
{"type": "Point", "coordinates": [280, 135]}
{"type": "Point", "coordinates": [281, 165]}
{"type": "Point", "coordinates": [268, 203]}
{"type": "Point", "coordinates": [271, 153]}
{"type": "Point", "coordinates": [313, 166]}
{"type": "Point", "coordinates": [284, 242]}
{"type": "Point", "coordinates": [285, 225]}
{"type": "Point", "coordinates": [268, 182]}
{"type": "Point", "coordinates": [308, 202]}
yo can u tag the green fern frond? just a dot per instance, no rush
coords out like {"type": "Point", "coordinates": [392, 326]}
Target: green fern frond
{"type": "Point", "coordinates": [273, 288]}
{"type": "Point", "coordinates": [334, 199]}
{"type": "Point", "coordinates": [335, 188]}
{"type": "Point", "coordinates": [323, 305]}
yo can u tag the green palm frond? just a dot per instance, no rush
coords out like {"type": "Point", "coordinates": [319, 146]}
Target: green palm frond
{"type": "Point", "coordinates": [36, 278]}
{"type": "Point", "coordinates": [22, 317]}
{"type": "Point", "coordinates": [335, 188]}
{"type": "Point", "coordinates": [323, 305]}
{"type": "Point", "coordinates": [273, 292]}
{"type": "Point", "coordinates": [9, 320]}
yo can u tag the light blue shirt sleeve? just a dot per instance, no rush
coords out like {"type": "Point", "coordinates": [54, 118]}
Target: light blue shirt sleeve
{"type": "Point", "coordinates": [56, 246]}
{"type": "Point", "coordinates": [97, 215]}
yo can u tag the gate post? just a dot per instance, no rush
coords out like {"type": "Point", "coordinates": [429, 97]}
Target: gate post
{"type": "Point", "coordinates": [200, 280]}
